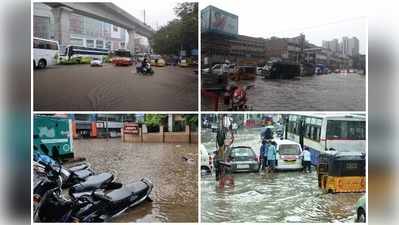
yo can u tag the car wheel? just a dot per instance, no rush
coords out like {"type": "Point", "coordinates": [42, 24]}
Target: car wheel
{"type": "Point", "coordinates": [205, 169]}
{"type": "Point", "coordinates": [42, 64]}
{"type": "Point", "coordinates": [361, 216]}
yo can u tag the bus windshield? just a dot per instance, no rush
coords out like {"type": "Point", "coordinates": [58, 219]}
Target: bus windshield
{"type": "Point", "coordinates": [122, 53]}
{"type": "Point", "coordinates": [346, 130]}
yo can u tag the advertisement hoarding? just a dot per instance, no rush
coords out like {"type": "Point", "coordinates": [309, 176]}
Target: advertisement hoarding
{"type": "Point", "coordinates": [218, 21]}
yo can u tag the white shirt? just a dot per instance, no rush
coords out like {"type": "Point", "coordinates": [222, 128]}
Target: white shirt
{"type": "Point", "coordinates": [306, 155]}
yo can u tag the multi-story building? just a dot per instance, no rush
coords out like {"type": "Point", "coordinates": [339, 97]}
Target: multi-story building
{"type": "Point", "coordinates": [286, 49]}
{"type": "Point", "coordinates": [333, 45]}
{"type": "Point", "coordinates": [350, 46]}
{"type": "Point", "coordinates": [240, 48]}
{"type": "Point", "coordinates": [83, 30]}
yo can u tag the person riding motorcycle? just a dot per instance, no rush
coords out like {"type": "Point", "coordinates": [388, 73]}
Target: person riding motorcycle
{"type": "Point", "coordinates": [144, 64]}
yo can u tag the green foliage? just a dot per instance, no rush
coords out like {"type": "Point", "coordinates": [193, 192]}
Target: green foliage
{"type": "Point", "coordinates": [107, 59]}
{"type": "Point", "coordinates": [153, 119]}
{"type": "Point", "coordinates": [191, 119]}
{"type": "Point", "coordinates": [69, 62]}
{"type": "Point", "coordinates": [181, 33]}
{"type": "Point", "coordinates": [85, 60]}
{"type": "Point", "coordinates": [77, 60]}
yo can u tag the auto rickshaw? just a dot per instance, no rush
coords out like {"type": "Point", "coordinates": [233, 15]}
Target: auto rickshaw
{"type": "Point", "coordinates": [342, 172]}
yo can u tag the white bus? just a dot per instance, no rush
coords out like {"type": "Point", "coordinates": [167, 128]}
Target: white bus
{"type": "Point", "coordinates": [73, 51]}
{"type": "Point", "coordinates": [323, 132]}
{"type": "Point", "coordinates": [45, 52]}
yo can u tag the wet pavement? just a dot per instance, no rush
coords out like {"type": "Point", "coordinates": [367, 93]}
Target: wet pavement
{"type": "Point", "coordinates": [279, 197]}
{"type": "Point", "coordinates": [110, 88]}
{"type": "Point", "coordinates": [332, 92]}
{"type": "Point", "coordinates": [175, 180]}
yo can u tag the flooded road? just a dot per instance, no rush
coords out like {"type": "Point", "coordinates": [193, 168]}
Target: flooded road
{"type": "Point", "coordinates": [175, 190]}
{"type": "Point", "coordinates": [279, 197]}
{"type": "Point", "coordinates": [111, 88]}
{"type": "Point", "coordinates": [332, 92]}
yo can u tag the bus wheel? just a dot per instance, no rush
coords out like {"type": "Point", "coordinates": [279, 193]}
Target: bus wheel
{"type": "Point", "coordinates": [42, 64]}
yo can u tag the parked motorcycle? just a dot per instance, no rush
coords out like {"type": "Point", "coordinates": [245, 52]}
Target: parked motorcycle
{"type": "Point", "coordinates": [146, 70]}
{"type": "Point", "coordinates": [236, 97]}
{"type": "Point", "coordinates": [78, 175]}
{"type": "Point", "coordinates": [99, 206]}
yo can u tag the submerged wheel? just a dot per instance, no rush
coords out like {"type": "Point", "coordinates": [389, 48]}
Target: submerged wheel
{"type": "Point", "coordinates": [361, 216]}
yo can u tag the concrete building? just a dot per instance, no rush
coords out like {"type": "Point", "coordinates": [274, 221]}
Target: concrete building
{"type": "Point", "coordinates": [286, 49]}
{"type": "Point", "coordinates": [333, 45]}
{"type": "Point", "coordinates": [83, 30]}
{"type": "Point", "coordinates": [100, 25]}
{"type": "Point", "coordinates": [350, 46]}
{"type": "Point", "coordinates": [238, 49]}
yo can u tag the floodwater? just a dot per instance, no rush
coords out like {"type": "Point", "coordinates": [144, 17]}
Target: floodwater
{"type": "Point", "coordinates": [111, 88]}
{"type": "Point", "coordinates": [175, 193]}
{"type": "Point", "coordinates": [278, 197]}
{"type": "Point", "coordinates": [332, 92]}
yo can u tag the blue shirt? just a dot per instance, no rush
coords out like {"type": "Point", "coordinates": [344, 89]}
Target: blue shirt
{"type": "Point", "coordinates": [271, 152]}
{"type": "Point", "coordinates": [262, 150]}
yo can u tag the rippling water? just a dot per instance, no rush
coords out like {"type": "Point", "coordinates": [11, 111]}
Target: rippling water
{"type": "Point", "coordinates": [332, 92]}
{"type": "Point", "coordinates": [279, 197]}
{"type": "Point", "coordinates": [175, 190]}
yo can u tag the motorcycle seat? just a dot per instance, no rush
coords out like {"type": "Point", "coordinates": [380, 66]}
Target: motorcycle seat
{"type": "Point", "coordinates": [83, 174]}
{"type": "Point", "coordinates": [78, 167]}
{"type": "Point", "coordinates": [126, 193]}
{"type": "Point", "coordinates": [93, 182]}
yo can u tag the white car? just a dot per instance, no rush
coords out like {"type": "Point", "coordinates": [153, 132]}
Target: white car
{"type": "Point", "coordinates": [96, 62]}
{"type": "Point", "coordinates": [288, 155]}
{"type": "Point", "coordinates": [206, 160]}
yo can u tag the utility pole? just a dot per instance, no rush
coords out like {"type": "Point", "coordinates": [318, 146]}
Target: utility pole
{"type": "Point", "coordinates": [144, 16]}
{"type": "Point", "coordinates": [106, 124]}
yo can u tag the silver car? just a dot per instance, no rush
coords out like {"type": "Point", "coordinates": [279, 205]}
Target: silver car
{"type": "Point", "coordinates": [242, 159]}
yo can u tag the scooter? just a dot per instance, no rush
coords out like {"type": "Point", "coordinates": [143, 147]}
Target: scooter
{"type": "Point", "coordinates": [146, 70]}
{"type": "Point", "coordinates": [100, 206]}
{"type": "Point", "coordinates": [237, 96]}
{"type": "Point", "coordinates": [78, 176]}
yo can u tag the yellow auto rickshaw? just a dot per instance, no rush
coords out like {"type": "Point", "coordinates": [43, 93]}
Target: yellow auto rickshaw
{"type": "Point", "coordinates": [342, 172]}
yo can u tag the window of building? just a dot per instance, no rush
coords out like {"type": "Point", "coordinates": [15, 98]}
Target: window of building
{"type": "Point", "coordinates": [41, 27]}
{"type": "Point", "coordinates": [115, 28]}
{"type": "Point", "coordinates": [90, 43]}
{"type": "Point", "coordinates": [76, 23]}
{"type": "Point", "coordinates": [108, 45]}
{"type": "Point", "coordinates": [99, 43]}
{"type": "Point", "coordinates": [122, 44]}
{"type": "Point", "coordinates": [77, 41]}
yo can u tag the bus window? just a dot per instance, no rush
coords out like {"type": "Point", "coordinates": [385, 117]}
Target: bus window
{"type": "Point", "coordinates": [349, 130]}
{"type": "Point", "coordinates": [36, 43]}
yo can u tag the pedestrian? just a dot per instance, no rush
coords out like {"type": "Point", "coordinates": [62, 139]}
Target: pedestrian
{"type": "Point", "coordinates": [306, 160]}
{"type": "Point", "coordinates": [271, 156]}
{"type": "Point", "coordinates": [263, 154]}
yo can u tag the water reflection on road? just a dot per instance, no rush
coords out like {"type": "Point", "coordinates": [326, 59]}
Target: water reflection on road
{"type": "Point", "coordinates": [332, 92]}
{"type": "Point", "coordinates": [175, 180]}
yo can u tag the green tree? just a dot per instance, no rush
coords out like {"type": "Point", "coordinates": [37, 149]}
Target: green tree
{"type": "Point", "coordinates": [180, 33]}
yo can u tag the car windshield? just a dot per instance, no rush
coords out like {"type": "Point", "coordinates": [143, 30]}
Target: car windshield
{"type": "Point", "coordinates": [240, 152]}
{"type": "Point", "coordinates": [289, 149]}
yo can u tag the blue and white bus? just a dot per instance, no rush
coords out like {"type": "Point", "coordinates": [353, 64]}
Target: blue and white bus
{"type": "Point", "coordinates": [323, 132]}
{"type": "Point", "coordinates": [73, 51]}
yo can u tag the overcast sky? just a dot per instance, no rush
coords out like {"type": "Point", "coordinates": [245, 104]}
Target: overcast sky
{"type": "Point", "coordinates": [157, 13]}
{"type": "Point", "coordinates": [318, 20]}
